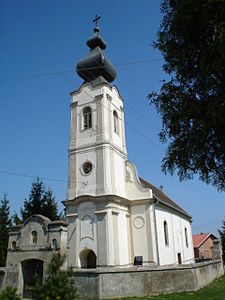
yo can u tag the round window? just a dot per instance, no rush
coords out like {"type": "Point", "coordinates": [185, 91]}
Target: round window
{"type": "Point", "coordinates": [87, 167]}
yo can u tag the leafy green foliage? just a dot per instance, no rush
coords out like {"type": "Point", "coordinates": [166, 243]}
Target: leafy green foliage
{"type": "Point", "coordinates": [58, 285]}
{"type": "Point", "coordinates": [192, 102]}
{"type": "Point", "coordinates": [41, 201]}
{"type": "Point", "coordinates": [222, 238]}
{"type": "Point", "coordinates": [9, 294]}
{"type": "Point", "coordinates": [5, 223]}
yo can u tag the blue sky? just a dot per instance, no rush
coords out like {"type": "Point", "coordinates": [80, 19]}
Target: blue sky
{"type": "Point", "coordinates": [41, 43]}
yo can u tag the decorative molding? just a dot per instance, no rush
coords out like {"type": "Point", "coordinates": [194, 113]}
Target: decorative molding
{"type": "Point", "coordinates": [128, 176]}
{"type": "Point", "coordinates": [101, 212]}
{"type": "Point", "coordinates": [139, 222]}
{"type": "Point", "coordinates": [98, 97]}
{"type": "Point", "coordinates": [114, 212]}
{"type": "Point", "coordinates": [72, 215]}
{"type": "Point", "coordinates": [108, 97]}
{"type": "Point", "coordinates": [87, 229]}
{"type": "Point", "coordinates": [73, 104]}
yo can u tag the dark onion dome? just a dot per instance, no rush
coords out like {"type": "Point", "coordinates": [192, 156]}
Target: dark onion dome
{"type": "Point", "coordinates": [96, 64]}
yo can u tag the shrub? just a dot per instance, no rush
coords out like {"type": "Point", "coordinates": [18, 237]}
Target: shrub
{"type": "Point", "coordinates": [9, 293]}
{"type": "Point", "coordinates": [58, 284]}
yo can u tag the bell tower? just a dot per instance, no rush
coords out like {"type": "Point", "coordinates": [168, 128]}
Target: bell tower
{"type": "Point", "coordinates": [97, 149]}
{"type": "Point", "coordinates": [96, 208]}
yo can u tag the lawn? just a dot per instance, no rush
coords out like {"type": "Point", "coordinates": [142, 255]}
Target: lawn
{"type": "Point", "coordinates": [214, 291]}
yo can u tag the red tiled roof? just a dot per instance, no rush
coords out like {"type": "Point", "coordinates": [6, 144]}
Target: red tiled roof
{"type": "Point", "coordinates": [198, 239]}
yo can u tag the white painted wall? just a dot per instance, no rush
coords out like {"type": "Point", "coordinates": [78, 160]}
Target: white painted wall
{"type": "Point", "coordinates": [176, 224]}
{"type": "Point", "coordinates": [139, 233]}
{"type": "Point", "coordinates": [123, 239]}
{"type": "Point", "coordinates": [100, 145]}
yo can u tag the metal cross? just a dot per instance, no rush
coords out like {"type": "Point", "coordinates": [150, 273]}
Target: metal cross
{"type": "Point", "coordinates": [96, 20]}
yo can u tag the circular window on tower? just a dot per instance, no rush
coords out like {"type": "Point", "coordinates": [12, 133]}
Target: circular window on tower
{"type": "Point", "coordinates": [87, 167]}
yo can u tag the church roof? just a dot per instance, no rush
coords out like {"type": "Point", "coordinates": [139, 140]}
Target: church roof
{"type": "Point", "coordinates": [37, 216]}
{"type": "Point", "coordinates": [96, 64]}
{"type": "Point", "coordinates": [163, 198]}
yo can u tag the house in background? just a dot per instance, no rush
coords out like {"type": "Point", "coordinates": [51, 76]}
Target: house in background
{"type": "Point", "coordinates": [205, 245]}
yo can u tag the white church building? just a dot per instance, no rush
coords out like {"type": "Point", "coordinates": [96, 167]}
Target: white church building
{"type": "Point", "coordinates": [129, 234]}
{"type": "Point", "coordinates": [115, 218]}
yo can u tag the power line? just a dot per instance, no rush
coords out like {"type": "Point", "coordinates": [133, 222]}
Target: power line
{"type": "Point", "coordinates": [35, 76]}
{"type": "Point", "coordinates": [71, 71]}
{"type": "Point", "coordinates": [55, 71]}
{"type": "Point", "coordinates": [35, 176]}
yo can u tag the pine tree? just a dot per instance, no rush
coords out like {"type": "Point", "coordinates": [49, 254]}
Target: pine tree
{"type": "Point", "coordinates": [58, 284]}
{"type": "Point", "coordinates": [41, 201]}
{"type": "Point", "coordinates": [5, 223]}
{"type": "Point", "coordinates": [49, 205]}
{"type": "Point", "coordinates": [16, 219]}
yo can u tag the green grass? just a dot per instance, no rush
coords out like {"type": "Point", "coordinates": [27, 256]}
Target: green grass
{"type": "Point", "coordinates": [214, 291]}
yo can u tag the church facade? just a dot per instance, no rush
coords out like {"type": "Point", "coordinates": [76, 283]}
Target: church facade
{"type": "Point", "coordinates": [114, 217]}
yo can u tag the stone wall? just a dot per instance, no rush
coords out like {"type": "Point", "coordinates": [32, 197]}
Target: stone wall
{"type": "Point", "coordinates": [143, 281]}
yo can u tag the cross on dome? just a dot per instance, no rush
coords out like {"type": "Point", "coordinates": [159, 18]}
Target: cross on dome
{"type": "Point", "coordinates": [96, 20]}
{"type": "Point", "coordinates": [96, 64]}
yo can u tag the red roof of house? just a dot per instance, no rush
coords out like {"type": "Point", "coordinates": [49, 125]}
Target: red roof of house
{"type": "Point", "coordinates": [198, 239]}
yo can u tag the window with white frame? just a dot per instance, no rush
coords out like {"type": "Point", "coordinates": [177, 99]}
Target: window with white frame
{"type": "Point", "coordinates": [14, 245]}
{"type": "Point", "coordinates": [34, 237]}
{"type": "Point", "coordinates": [186, 236]}
{"type": "Point", "coordinates": [116, 122]}
{"type": "Point", "coordinates": [87, 118]}
{"type": "Point", "coordinates": [54, 244]}
{"type": "Point", "coordinates": [166, 237]}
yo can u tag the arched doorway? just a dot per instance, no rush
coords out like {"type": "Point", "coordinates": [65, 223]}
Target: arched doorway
{"type": "Point", "coordinates": [88, 259]}
{"type": "Point", "coordinates": [32, 270]}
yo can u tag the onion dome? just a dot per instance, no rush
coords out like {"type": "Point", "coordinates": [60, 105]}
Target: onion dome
{"type": "Point", "coordinates": [95, 64]}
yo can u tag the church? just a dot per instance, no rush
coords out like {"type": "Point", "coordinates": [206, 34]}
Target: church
{"type": "Point", "coordinates": [115, 218]}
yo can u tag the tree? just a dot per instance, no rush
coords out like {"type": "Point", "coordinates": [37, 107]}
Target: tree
{"type": "Point", "coordinates": [5, 223]}
{"type": "Point", "coordinates": [222, 238]}
{"type": "Point", "coordinates": [41, 201]}
{"type": "Point", "coordinates": [16, 219]}
{"type": "Point", "coordinates": [192, 101]}
{"type": "Point", "coordinates": [58, 284]}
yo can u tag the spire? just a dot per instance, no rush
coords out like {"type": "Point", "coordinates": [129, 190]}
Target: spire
{"type": "Point", "coordinates": [95, 64]}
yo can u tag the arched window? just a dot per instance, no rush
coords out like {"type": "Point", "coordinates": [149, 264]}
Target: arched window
{"type": "Point", "coordinates": [115, 122]}
{"type": "Point", "coordinates": [87, 118]}
{"type": "Point", "coordinates": [34, 236]}
{"type": "Point", "coordinates": [166, 237]}
{"type": "Point", "coordinates": [14, 245]}
{"type": "Point", "coordinates": [186, 236]}
{"type": "Point", "coordinates": [54, 243]}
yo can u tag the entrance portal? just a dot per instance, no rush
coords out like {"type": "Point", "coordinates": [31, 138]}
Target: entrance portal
{"type": "Point", "coordinates": [88, 259]}
{"type": "Point", "coordinates": [32, 270]}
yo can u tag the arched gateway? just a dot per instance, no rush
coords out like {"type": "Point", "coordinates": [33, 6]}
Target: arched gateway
{"type": "Point", "coordinates": [32, 270]}
{"type": "Point", "coordinates": [88, 259]}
